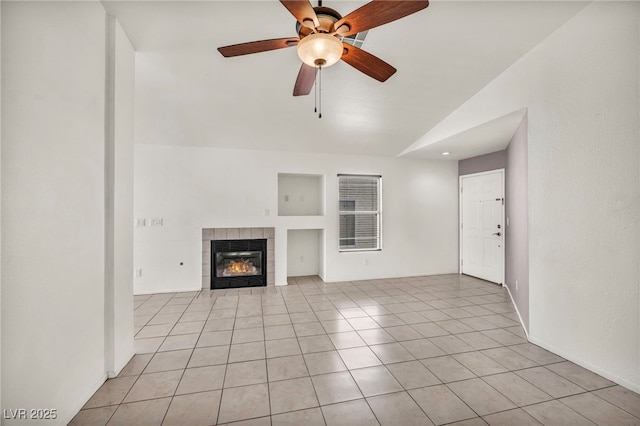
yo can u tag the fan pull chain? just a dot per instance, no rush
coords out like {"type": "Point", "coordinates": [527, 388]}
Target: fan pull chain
{"type": "Point", "coordinates": [315, 86]}
{"type": "Point", "coordinates": [320, 95]}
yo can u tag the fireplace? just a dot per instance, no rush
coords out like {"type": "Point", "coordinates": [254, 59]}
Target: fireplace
{"type": "Point", "coordinates": [238, 263]}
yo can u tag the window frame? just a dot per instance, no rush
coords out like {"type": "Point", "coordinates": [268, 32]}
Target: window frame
{"type": "Point", "coordinates": [377, 213]}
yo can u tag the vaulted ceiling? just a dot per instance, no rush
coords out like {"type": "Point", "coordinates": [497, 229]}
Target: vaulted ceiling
{"type": "Point", "coordinates": [188, 94]}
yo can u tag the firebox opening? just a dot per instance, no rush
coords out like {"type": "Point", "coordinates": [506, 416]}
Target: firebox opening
{"type": "Point", "coordinates": [238, 263]}
{"type": "Point", "coordinates": [235, 264]}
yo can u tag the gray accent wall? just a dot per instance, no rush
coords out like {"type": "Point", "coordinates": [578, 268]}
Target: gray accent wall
{"type": "Point", "coordinates": [514, 160]}
{"type": "Point", "coordinates": [483, 163]}
{"type": "Point", "coordinates": [517, 229]}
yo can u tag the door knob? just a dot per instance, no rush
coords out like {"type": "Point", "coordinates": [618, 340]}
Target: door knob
{"type": "Point", "coordinates": [497, 233]}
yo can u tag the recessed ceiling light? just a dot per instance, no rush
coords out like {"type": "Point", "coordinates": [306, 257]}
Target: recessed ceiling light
{"type": "Point", "coordinates": [446, 153]}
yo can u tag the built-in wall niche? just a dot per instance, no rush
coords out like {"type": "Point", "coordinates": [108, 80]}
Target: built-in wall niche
{"type": "Point", "coordinates": [300, 195]}
{"type": "Point", "coordinates": [305, 250]}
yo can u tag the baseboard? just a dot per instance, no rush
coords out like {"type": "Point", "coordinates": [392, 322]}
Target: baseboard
{"type": "Point", "coordinates": [181, 290]}
{"type": "Point", "coordinates": [582, 363]}
{"type": "Point", "coordinates": [607, 375]}
{"type": "Point", "coordinates": [108, 375]}
{"type": "Point", "coordinates": [65, 418]}
{"type": "Point", "coordinates": [517, 311]}
{"type": "Point", "coordinates": [375, 276]}
{"type": "Point", "coordinates": [126, 359]}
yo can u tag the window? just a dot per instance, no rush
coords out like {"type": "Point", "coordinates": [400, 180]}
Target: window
{"type": "Point", "coordinates": [360, 209]}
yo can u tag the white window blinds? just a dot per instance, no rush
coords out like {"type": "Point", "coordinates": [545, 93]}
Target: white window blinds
{"type": "Point", "coordinates": [360, 212]}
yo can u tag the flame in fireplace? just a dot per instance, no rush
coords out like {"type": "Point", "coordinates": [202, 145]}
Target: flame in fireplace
{"type": "Point", "coordinates": [240, 267]}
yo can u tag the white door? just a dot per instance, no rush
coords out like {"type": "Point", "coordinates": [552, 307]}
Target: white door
{"type": "Point", "coordinates": [482, 225]}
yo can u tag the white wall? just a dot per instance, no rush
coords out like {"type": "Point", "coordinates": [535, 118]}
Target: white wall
{"type": "Point", "coordinates": [582, 92]}
{"type": "Point", "coordinates": [119, 300]}
{"type": "Point", "coordinates": [192, 188]}
{"type": "Point", "coordinates": [54, 223]}
{"type": "Point", "coordinates": [53, 203]}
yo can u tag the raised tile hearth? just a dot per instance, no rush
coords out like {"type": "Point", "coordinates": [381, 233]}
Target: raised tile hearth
{"type": "Point", "coordinates": [215, 234]}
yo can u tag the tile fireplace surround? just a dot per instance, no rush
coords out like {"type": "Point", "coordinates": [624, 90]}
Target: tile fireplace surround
{"type": "Point", "coordinates": [212, 234]}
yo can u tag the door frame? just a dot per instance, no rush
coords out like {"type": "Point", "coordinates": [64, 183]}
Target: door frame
{"type": "Point", "coordinates": [504, 225]}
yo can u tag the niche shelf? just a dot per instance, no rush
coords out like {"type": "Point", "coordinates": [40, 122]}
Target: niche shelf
{"type": "Point", "coordinates": [300, 194]}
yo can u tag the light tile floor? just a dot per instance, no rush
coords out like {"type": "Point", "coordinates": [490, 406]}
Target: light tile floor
{"type": "Point", "coordinates": [409, 351]}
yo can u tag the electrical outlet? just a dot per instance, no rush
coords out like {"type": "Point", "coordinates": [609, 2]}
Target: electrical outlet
{"type": "Point", "coordinates": [138, 273]}
{"type": "Point", "coordinates": [267, 212]}
{"type": "Point", "coordinates": [141, 221]}
{"type": "Point", "coordinates": [286, 198]}
{"type": "Point", "coordinates": [156, 221]}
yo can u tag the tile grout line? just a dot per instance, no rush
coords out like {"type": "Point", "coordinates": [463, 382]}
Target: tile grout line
{"type": "Point", "coordinates": [399, 291]}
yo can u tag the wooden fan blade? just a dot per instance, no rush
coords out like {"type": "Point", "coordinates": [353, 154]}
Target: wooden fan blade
{"type": "Point", "coordinates": [305, 80]}
{"type": "Point", "coordinates": [367, 63]}
{"type": "Point", "coordinates": [303, 11]}
{"type": "Point", "coordinates": [376, 13]}
{"type": "Point", "coordinates": [257, 46]}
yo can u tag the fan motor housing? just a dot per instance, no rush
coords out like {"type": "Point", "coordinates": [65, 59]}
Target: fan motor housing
{"type": "Point", "coordinates": [327, 17]}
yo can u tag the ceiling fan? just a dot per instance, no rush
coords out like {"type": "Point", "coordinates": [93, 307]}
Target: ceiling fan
{"type": "Point", "coordinates": [320, 32]}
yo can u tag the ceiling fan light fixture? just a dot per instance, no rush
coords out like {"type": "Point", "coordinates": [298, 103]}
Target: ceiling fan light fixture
{"type": "Point", "coordinates": [320, 50]}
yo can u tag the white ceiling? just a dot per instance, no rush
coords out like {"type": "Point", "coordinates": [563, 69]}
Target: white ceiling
{"type": "Point", "coordinates": [188, 94]}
